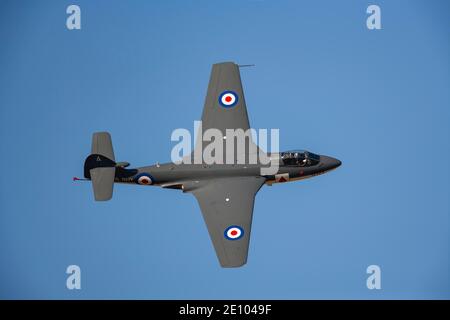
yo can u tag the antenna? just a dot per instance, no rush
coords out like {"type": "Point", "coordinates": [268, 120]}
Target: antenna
{"type": "Point", "coordinates": [79, 179]}
{"type": "Point", "coordinates": [245, 65]}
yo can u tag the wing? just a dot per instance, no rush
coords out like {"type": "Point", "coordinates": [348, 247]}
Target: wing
{"type": "Point", "coordinates": [225, 112]}
{"type": "Point", "coordinates": [225, 106]}
{"type": "Point", "coordinates": [227, 208]}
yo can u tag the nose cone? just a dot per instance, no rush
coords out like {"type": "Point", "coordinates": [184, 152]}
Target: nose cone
{"type": "Point", "coordinates": [329, 163]}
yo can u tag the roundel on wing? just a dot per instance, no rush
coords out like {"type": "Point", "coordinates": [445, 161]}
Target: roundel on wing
{"type": "Point", "coordinates": [144, 178]}
{"type": "Point", "coordinates": [228, 99]}
{"type": "Point", "coordinates": [233, 233]}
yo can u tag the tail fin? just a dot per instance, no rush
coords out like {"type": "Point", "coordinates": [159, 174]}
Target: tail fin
{"type": "Point", "coordinates": [100, 166]}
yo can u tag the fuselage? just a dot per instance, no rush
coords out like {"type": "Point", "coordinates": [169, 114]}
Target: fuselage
{"type": "Point", "coordinates": [174, 174]}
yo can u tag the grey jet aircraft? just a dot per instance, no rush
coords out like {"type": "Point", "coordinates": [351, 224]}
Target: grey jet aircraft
{"type": "Point", "coordinates": [225, 192]}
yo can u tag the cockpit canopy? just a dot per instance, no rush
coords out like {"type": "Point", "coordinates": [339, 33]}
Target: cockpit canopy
{"type": "Point", "coordinates": [300, 158]}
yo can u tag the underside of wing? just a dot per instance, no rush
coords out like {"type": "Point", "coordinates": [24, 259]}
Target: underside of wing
{"type": "Point", "coordinates": [227, 208]}
{"type": "Point", "coordinates": [224, 109]}
{"type": "Point", "coordinates": [225, 106]}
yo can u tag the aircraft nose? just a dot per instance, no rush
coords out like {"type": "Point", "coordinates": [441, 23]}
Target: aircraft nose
{"type": "Point", "coordinates": [329, 162]}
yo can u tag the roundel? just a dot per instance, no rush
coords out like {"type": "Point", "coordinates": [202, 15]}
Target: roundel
{"type": "Point", "coordinates": [233, 233]}
{"type": "Point", "coordinates": [228, 99]}
{"type": "Point", "coordinates": [144, 178]}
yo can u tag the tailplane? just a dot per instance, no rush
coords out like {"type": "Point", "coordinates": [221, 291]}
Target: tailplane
{"type": "Point", "coordinates": [100, 166]}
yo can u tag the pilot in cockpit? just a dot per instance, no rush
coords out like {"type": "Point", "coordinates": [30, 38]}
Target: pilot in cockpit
{"type": "Point", "coordinates": [300, 158]}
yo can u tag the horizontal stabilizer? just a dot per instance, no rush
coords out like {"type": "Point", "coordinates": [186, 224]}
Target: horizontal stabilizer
{"type": "Point", "coordinates": [103, 182]}
{"type": "Point", "coordinates": [102, 144]}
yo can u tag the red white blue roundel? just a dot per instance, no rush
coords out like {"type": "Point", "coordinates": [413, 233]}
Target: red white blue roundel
{"type": "Point", "coordinates": [233, 233]}
{"type": "Point", "coordinates": [144, 178]}
{"type": "Point", "coordinates": [228, 99]}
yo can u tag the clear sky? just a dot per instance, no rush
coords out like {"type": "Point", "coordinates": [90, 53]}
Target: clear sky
{"type": "Point", "coordinates": [378, 100]}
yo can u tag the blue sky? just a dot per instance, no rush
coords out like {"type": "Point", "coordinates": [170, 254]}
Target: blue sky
{"type": "Point", "coordinates": [377, 100]}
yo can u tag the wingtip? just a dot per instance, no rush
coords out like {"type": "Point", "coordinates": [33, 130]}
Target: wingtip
{"type": "Point", "coordinates": [225, 63]}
